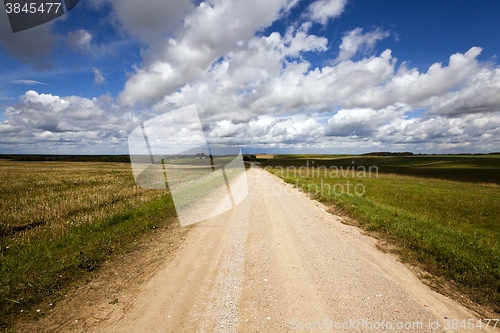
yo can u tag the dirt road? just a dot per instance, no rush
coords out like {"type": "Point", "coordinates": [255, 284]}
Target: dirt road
{"type": "Point", "coordinates": [278, 262]}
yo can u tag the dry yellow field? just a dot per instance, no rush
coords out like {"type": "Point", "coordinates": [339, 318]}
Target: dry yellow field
{"type": "Point", "coordinates": [58, 195]}
{"type": "Point", "coordinates": [61, 220]}
{"type": "Point", "coordinates": [268, 156]}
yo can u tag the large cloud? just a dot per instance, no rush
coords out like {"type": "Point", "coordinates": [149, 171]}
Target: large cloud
{"type": "Point", "coordinates": [266, 79]}
{"type": "Point", "coordinates": [271, 77]}
{"type": "Point", "coordinates": [362, 130]}
{"type": "Point", "coordinates": [419, 89]}
{"type": "Point", "coordinates": [209, 32]}
{"type": "Point", "coordinates": [294, 129]}
{"type": "Point", "coordinates": [69, 124]}
{"type": "Point", "coordinates": [392, 127]}
{"type": "Point", "coordinates": [480, 94]}
{"type": "Point", "coordinates": [260, 89]}
{"type": "Point", "coordinates": [473, 132]}
{"type": "Point", "coordinates": [46, 123]}
{"type": "Point", "coordinates": [217, 62]}
{"type": "Point", "coordinates": [149, 20]}
{"type": "Point", "coordinates": [363, 122]}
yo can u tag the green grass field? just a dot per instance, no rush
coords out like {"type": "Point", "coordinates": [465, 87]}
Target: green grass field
{"type": "Point", "coordinates": [441, 211]}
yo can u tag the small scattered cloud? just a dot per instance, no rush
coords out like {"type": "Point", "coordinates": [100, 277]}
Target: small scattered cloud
{"type": "Point", "coordinates": [321, 11]}
{"type": "Point", "coordinates": [27, 82]}
{"type": "Point", "coordinates": [355, 41]}
{"type": "Point", "coordinates": [98, 76]}
{"type": "Point", "coordinates": [79, 41]}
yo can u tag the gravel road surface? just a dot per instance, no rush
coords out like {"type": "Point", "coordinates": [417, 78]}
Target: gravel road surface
{"type": "Point", "coordinates": [279, 262]}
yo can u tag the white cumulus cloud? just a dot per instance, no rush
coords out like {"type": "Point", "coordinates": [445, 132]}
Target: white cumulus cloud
{"type": "Point", "coordinates": [355, 41]}
{"type": "Point", "coordinates": [208, 33]}
{"type": "Point", "coordinates": [66, 124]}
{"type": "Point", "coordinates": [363, 122]}
{"type": "Point", "coordinates": [322, 10]}
{"type": "Point", "coordinates": [98, 76]}
{"type": "Point", "coordinates": [267, 89]}
{"type": "Point", "coordinates": [80, 41]}
{"type": "Point", "coordinates": [480, 94]}
{"type": "Point", "coordinates": [148, 20]}
{"type": "Point", "coordinates": [419, 89]}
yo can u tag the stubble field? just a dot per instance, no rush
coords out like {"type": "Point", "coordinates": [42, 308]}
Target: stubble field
{"type": "Point", "coordinates": [60, 220]}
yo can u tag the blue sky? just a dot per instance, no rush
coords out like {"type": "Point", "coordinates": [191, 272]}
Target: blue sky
{"type": "Point", "coordinates": [325, 76]}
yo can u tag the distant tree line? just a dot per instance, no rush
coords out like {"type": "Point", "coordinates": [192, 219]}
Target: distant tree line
{"type": "Point", "coordinates": [68, 158]}
{"type": "Point", "coordinates": [249, 158]}
{"type": "Point", "coordinates": [386, 153]}
{"type": "Point", "coordinates": [126, 158]}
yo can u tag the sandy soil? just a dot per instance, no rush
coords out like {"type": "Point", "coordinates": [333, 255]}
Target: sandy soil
{"type": "Point", "coordinates": [276, 262]}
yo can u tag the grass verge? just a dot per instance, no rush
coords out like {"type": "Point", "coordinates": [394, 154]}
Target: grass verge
{"type": "Point", "coordinates": [450, 227]}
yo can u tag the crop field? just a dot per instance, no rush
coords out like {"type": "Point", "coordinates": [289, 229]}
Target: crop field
{"type": "Point", "coordinates": [59, 220]}
{"type": "Point", "coordinates": [442, 211]}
